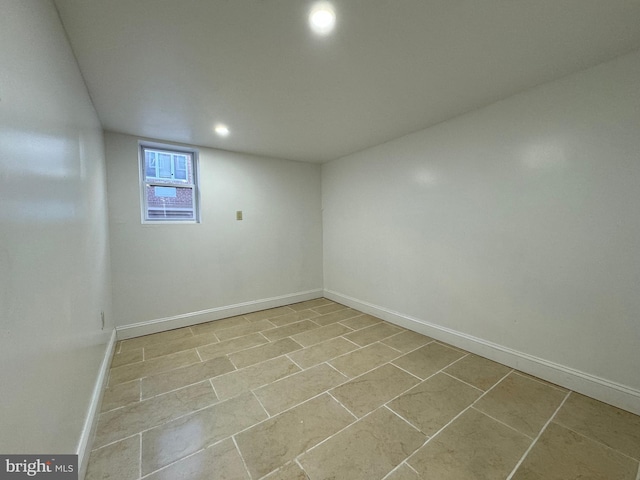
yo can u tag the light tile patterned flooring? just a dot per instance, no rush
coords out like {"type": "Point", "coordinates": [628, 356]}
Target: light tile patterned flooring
{"type": "Point", "coordinates": [317, 390]}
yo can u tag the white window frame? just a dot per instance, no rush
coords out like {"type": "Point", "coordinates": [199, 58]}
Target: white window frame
{"type": "Point", "coordinates": [168, 182]}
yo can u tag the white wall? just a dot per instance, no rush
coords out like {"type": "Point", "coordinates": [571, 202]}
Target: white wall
{"type": "Point", "coordinates": [197, 271]}
{"type": "Point", "coordinates": [54, 255]}
{"type": "Point", "coordinates": [517, 224]}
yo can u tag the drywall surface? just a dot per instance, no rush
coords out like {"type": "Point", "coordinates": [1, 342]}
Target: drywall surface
{"type": "Point", "coordinates": [517, 223]}
{"type": "Point", "coordinates": [54, 255]}
{"type": "Point", "coordinates": [165, 270]}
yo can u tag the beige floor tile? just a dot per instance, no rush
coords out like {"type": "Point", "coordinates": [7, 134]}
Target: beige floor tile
{"type": "Point", "coordinates": [118, 461]}
{"type": "Point", "coordinates": [293, 317]}
{"type": "Point", "coordinates": [179, 345]}
{"type": "Point", "coordinates": [427, 360]}
{"type": "Point", "coordinates": [186, 435]}
{"type": "Point", "coordinates": [361, 321]}
{"type": "Point", "coordinates": [242, 330]}
{"type": "Point", "coordinates": [297, 388]}
{"type": "Point", "coordinates": [403, 472]}
{"type": "Point", "coordinates": [367, 392]}
{"type": "Point", "coordinates": [291, 471]}
{"type": "Point", "coordinates": [181, 377]}
{"type": "Point", "coordinates": [477, 371]}
{"type": "Point", "coordinates": [407, 341]}
{"type": "Point", "coordinates": [155, 338]}
{"type": "Point", "coordinates": [435, 402]}
{"type": "Point", "coordinates": [336, 316]}
{"type": "Point", "coordinates": [366, 450]}
{"type": "Point", "coordinates": [231, 346]}
{"type": "Point", "coordinates": [289, 330]}
{"type": "Point", "coordinates": [372, 334]}
{"type": "Point", "coordinates": [125, 358]}
{"type": "Point", "coordinates": [255, 376]}
{"type": "Point", "coordinates": [560, 454]}
{"type": "Point", "coordinates": [330, 308]}
{"type": "Point", "coordinates": [317, 302]}
{"type": "Point", "coordinates": [310, 356]}
{"type": "Point", "coordinates": [521, 403]}
{"type": "Point", "coordinates": [565, 390]}
{"type": "Point", "coordinates": [120, 395]}
{"type": "Point", "coordinates": [134, 371]}
{"type": "Point", "coordinates": [217, 325]}
{"type": "Point", "coordinates": [123, 422]}
{"type": "Point", "coordinates": [264, 352]}
{"type": "Point", "coordinates": [321, 334]}
{"type": "Point", "coordinates": [272, 443]}
{"type": "Point", "coordinates": [266, 314]}
{"type": "Point", "coordinates": [219, 462]}
{"type": "Point", "coordinates": [362, 360]}
{"type": "Point", "coordinates": [473, 447]}
{"type": "Point", "coordinates": [612, 426]}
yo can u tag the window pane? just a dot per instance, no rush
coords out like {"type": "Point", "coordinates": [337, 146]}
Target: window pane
{"type": "Point", "coordinates": [150, 164]}
{"type": "Point", "coordinates": [180, 167]}
{"type": "Point", "coordinates": [164, 165]}
{"type": "Point", "coordinates": [170, 203]}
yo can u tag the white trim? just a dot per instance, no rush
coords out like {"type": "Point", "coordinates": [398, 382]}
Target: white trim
{"type": "Point", "coordinates": [193, 318]}
{"type": "Point", "coordinates": [621, 396]}
{"type": "Point", "coordinates": [86, 437]}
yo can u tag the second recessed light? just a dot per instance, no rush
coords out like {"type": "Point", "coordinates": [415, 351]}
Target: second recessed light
{"type": "Point", "coordinates": [222, 130]}
{"type": "Point", "coordinates": [322, 18]}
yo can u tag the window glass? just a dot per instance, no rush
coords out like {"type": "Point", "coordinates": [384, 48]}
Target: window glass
{"type": "Point", "coordinates": [169, 187]}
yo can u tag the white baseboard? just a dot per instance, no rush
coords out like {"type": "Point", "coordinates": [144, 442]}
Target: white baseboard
{"type": "Point", "coordinates": [613, 393]}
{"type": "Point", "coordinates": [193, 318]}
{"type": "Point", "coordinates": [88, 431]}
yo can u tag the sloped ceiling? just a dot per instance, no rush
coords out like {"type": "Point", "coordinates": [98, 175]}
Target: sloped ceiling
{"type": "Point", "coordinates": [171, 69]}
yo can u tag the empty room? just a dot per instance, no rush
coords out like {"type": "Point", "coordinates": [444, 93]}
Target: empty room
{"type": "Point", "coordinates": [345, 239]}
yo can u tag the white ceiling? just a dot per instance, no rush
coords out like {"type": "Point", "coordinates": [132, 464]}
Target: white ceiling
{"type": "Point", "coordinates": [171, 69]}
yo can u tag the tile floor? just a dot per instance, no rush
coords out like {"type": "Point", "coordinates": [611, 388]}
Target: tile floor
{"type": "Point", "coordinates": [317, 390]}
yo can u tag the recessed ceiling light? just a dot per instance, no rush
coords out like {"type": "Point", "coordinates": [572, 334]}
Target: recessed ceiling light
{"type": "Point", "coordinates": [322, 18]}
{"type": "Point", "coordinates": [222, 130]}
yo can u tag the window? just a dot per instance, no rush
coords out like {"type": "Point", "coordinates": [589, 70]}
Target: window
{"type": "Point", "coordinates": [169, 187]}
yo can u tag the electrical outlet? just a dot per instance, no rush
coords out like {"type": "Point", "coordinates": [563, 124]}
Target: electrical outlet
{"type": "Point", "coordinates": [239, 215]}
{"type": "Point", "coordinates": [102, 319]}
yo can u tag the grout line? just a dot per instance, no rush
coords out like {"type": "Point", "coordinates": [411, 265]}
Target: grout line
{"type": "Point", "coordinates": [539, 380]}
{"type": "Point", "coordinates": [459, 380]}
{"type": "Point", "coordinates": [501, 422]}
{"type": "Point", "coordinates": [297, 461]}
{"type": "Point", "coordinates": [186, 456]}
{"type": "Point", "coordinates": [199, 356]}
{"type": "Point", "coordinates": [456, 417]}
{"type": "Point", "coordinates": [403, 419]}
{"type": "Point", "coordinates": [265, 410]}
{"type": "Point", "coordinates": [412, 469]}
{"type": "Point", "coordinates": [394, 348]}
{"type": "Point", "coordinates": [535, 440]}
{"type": "Point", "coordinates": [638, 477]}
{"type": "Point", "coordinates": [116, 441]}
{"type": "Point", "coordinates": [140, 459]}
{"type": "Point", "coordinates": [359, 346]}
{"type": "Point", "coordinates": [233, 438]}
{"type": "Point", "coordinates": [337, 433]}
{"type": "Point", "coordinates": [214, 388]}
{"type": "Point", "coordinates": [342, 405]}
{"type": "Point", "coordinates": [407, 371]}
{"type": "Point", "coordinates": [596, 441]}
{"type": "Point", "coordinates": [293, 361]}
